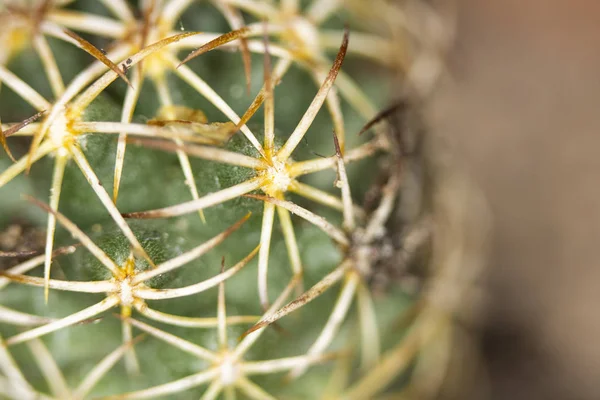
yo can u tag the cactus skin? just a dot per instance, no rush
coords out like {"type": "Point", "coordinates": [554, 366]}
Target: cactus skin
{"type": "Point", "coordinates": [374, 342]}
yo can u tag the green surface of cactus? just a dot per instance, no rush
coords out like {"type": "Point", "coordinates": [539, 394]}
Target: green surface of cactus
{"type": "Point", "coordinates": [350, 338]}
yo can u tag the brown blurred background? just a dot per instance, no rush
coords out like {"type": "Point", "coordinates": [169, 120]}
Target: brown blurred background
{"type": "Point", "coordinates": [522, 107]}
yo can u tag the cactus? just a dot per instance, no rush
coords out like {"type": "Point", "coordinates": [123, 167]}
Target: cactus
{"type": "Point", "coordinates": [285, 258]}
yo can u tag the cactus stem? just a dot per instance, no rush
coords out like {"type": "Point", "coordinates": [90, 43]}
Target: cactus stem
{"type": "Point", "coordinates": [144, 36]}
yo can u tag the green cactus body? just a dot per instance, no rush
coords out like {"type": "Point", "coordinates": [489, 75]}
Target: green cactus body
{"type": "Point", "coordinates": [188, 254]}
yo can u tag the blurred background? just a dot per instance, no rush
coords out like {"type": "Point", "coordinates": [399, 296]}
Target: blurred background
{"type": "Point", "coordinates": [521, 107]}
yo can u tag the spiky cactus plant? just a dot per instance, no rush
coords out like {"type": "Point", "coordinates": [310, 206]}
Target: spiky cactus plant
{"type": "Point", "coordinates": [252, 244]}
